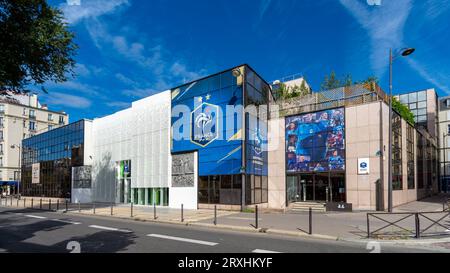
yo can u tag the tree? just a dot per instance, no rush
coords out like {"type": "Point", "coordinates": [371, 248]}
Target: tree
{"type": "Point", "coordinates": [330, 82]}
{"type": "Point", "coordinates": [36, 44]}
{"type": "Point", "coordinates": [403, 110]}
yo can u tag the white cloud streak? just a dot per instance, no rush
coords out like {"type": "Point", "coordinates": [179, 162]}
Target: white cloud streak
{"type": "Point", "coordinates": [66, 100]}
{"type": "Point", "coordinates": [90, 9]}
{"type": "Point", "coordinates": [385, 26]}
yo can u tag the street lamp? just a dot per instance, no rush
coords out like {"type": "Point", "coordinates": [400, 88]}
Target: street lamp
{"type": "Point", "coordinates": [403, 53]}
{"type": "Point", "coordinates": [20, 167]}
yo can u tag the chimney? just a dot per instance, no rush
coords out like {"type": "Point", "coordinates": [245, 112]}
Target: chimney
{"type": "Point", "coordinates": [33, 100]}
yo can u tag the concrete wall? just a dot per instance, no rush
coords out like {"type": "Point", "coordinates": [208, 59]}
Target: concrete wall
{"type": "Point", "coordinates": [363, 140]}
{"type": "Point", "coordinates": [277, 163]}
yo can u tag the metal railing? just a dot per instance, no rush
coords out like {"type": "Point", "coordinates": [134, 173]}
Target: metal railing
{"type": "Point", "coordinates": [408, 224]}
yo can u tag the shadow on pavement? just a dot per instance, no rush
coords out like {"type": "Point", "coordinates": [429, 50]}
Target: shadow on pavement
{"type": "Point", "coordinates": [16, 234]}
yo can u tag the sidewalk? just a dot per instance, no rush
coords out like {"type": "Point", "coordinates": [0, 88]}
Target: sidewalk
{"type": "Point", "coordinates": [334, 226]}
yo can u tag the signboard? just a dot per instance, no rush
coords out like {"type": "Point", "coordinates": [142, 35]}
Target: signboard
{"type": "Point", "coordinates": [35, 173]}
{"type": "Point", "coordinates": [81, 177]}
{"type": "Point", "coordinates": [363, 166]}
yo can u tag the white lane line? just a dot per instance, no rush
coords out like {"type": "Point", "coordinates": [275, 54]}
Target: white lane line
{"type": "Point", "coordinates": [242, 218]}
{"type": "Point", "coordinates": [65, 221]}
{"type": "Point", "coordinates": [182, 239]}
{"type": "Point", "coordinates": [35, 216]}
{"type": "Point", "coordinates": [264, 251]}
{"type": "Point", "coordinates": [110, 228]}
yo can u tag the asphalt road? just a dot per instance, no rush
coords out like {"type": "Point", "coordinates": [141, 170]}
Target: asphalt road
{"type": "Point", "coordinates": [31, 231]}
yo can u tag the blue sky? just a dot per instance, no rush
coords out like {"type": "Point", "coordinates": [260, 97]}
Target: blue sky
{"type": "Point", "coordinates": [130, 49]}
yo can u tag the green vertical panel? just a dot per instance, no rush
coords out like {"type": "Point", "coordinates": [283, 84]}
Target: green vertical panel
{"type": "Point", "coordinates": [157, 196]}
{"type": "Point", "coordinates": [121, 169]}
{"type": "Point", "coordinates": [142, 197]}
{"type": "Point", "coordinates": [166, 197]}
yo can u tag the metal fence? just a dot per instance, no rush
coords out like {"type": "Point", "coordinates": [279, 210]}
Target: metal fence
{"type": "Point", "coordinates": [328, 99]}
{"type": "Point", "coordinates": [408, 224]}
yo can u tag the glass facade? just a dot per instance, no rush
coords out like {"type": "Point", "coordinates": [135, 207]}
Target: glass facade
{"type": "Point", "coordinates": [55, 153]}
{"type": "Point", "coordinates": [410, 156]}
{"type": "Point", "coordinates": [150, 196]}
{"type": "Point", "coordinates": [417, 103]}
{"type": "Point", "coordinates": [216, 125]}
{"type": "Point", "coordinates": [397, 170]}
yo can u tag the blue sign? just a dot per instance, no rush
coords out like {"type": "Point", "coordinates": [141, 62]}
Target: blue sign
{"type": "Point", "coordinates": [209, 126]}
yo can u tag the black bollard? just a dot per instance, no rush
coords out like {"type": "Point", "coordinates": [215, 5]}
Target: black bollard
{"type": "Point", "coordinates": [215, 215]}
{"type": "Point", "coordinates": [93, 205]}
{"type": "Point", "coordinates": [49, 204]}
{"type": "Point", "coordinates": [182, 216]}
{"type": "Point", "coordinates": [40, 203]}
{"type": "Point", "coordinates": [57, 205]}
{"type": "Point", "coordinates": [154, 211]}
{"type": "Point", "coordinates": [256, 216]}
{"type": "Point", "coordinates": [131, 209]}
{"type": "Point", "coordinates": [310, 221]}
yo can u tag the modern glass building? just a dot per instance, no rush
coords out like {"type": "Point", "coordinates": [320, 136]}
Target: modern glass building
{"type": "Point", "coordinates": [228, 136]}
{"type": "Point", "coordinates": [48, 159]}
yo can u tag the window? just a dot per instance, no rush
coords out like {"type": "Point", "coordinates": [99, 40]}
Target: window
{"type": "Point", "coordinates": [220, 189]}
{"type": "Point", "coordinates": [24, 111]}
{"type": "Point", "coordinates": [32, 126]}
{"type": "Point", "coordinates": [50, 117]}
{"type": "Point", "coordinates": [32, 114]}
{"type": "Point", "coordinates": [61, 119]}
{"type": "Point", "coordinates": [1, 148]}
{"type": "Point", "coordinates": [397, 174]}
{"type": "Point", "coordinates": [2, 108]}
{"type": "Point", "coordinates": [1, 161]}
{"type": "Point", "coordinates": [448, 129]}
{"type": "Point", "coordinates": [1, 121]}
{"type": "Point", "coordinates": [256, 190]}
{"type": "Point", "coordinates": [410, 156]}
{"type": "Point", "coordinates": [1, 135]}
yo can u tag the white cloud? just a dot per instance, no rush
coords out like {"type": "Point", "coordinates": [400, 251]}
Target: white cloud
{"type": "Point", "coordinates": [90, 9]}
{"type": "Point", "coordinates": [118, 104]}
{"type": "Point", "coordinates": [180, 70]}
{"type": "Point", "coordinates": [432, 78]}
{"type": "Point", "coordinates": [66, 100]}
{"type": "Point", "coordinates": [139, 92]}
{"type": "Point", "coordinates": [385, 26]}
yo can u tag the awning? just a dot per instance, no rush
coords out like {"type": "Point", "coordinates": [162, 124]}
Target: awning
{"type": "Point", "coordinates": [9, 183]}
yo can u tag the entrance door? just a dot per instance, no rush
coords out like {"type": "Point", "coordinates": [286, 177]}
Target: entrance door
{"type": "Point", "coordinates": [293, 189]}
{"type": "Point", "coordinates": [321, 187]}
{"type": "Point", "coordinates": [308, 187]}
{"type": "Point", "coordinates": [337, 187]}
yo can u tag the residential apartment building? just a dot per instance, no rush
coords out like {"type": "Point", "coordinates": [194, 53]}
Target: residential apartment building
{"type": "Point", "coordinates": [21, 116]}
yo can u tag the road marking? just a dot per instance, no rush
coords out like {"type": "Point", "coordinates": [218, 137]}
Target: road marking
{"type": "Point", "coordinates": [243, 218]}
{"type": "Point", "coordinates": [110, 228]}
{"type": "Point", "coordinates": [182, 239]}
{"type": "Point", "coordinates": [65, 221]}
{"type": "Point", "coordinates": [264, 251]}
{"type": "Point", "coordinates": [35, 216]}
